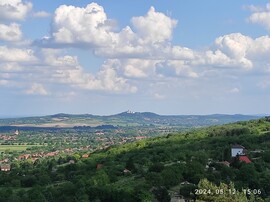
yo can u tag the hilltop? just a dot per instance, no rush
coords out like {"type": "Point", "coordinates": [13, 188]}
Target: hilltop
{"type": "Point", "coordinates": [127, 118]}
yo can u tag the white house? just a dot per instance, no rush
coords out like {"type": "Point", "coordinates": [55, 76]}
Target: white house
{"type": "Point", "coordinates": [237, 150]}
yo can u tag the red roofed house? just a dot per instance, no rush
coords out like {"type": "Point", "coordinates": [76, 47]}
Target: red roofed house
{"type": "Point", "coordinates": [244, 158]}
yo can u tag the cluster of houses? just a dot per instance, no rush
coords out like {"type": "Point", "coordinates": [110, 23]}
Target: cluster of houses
{"type": "Point", "coordinates": [7, 137]}
{"type": "Point", "coordinates": [238, 152]}
{"type": "Point", "coordinates": [5, 164]}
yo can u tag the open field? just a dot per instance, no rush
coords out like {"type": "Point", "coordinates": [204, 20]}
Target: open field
{"type": "Point", "coordinates": [15, 147]}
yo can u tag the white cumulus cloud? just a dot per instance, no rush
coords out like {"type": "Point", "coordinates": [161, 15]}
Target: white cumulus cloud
{"type": "Point", "coordinates": [155, 27]}
{"type": "Point", "coordinates": [141, 51]}
{"type": "Point", "coordinates": [10, 32]}
{"type": "Point", "coordinates": [14, 9]}
{"type": "Point", "coordinates": [73, 25]}
{"type": "Point", "coordinates": [260, 15]}
{"type": "Point", "coordinates": [66, 69]}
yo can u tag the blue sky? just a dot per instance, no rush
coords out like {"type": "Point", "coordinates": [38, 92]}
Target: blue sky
{"type": "Point", "coordinates": [105, 57]}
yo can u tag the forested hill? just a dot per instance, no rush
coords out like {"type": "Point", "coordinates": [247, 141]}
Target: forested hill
{"type": "Point", "coordinates": [193, 165]}
{"type": "Point", "coordinates": [127, 118]}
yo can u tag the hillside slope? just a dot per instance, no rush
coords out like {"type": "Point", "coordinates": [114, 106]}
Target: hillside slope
{"type": "Point", "coordinates": [155, 169]}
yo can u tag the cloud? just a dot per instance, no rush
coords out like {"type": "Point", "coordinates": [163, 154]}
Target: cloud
{"type": "Point", "coordinates": [37, 89]}
{"type": "Point", "coordinates": [236, 51]}
{"type": "Point", "coordinates": [260, 15]}
{"type": "Point", "coordinates": [105, 80]}
{"type": "Point", "coordinates": [136, 68]}
{"type": "Point", "coordinates": [148, 36]}
{"type": "Point", "coordinates": [144, 49]}
{"type": "Point", "coordinates": [14, 9]}
{"type": "Point", "coordinates": [136, 49]}
{"type": "Point", "coordinates": [10, 67]}
{"type": "Point", "coordinates": [3, 82]}
{"type": "Point", "coordinates": [264, 84]}
{"type": "Point", "coordinates": [175, 68]}
{"type": "Point", "coordinates": [159, 96]}
{"type": "Point", "coordinates": [234, 90]}
{"type": "Point", "coordinates": [72, 25]}
{"type": "Point", "coordinates": [65, 69]}
{"type": "Point", "coordinates": [154, 27]}
{"type": "Point", "coordinates": [41, 14]}
{"type": "Point", "coordinates": [89, 27]}
{"type": "Point", "coordinates": [140, 52]}
{"type": "Point", "coordinates": [16, 55]}
{"type": "Point", "coordinates": [53, 57]}
{"type": "Point", "coordinates": [253, 8]}
{"type": "Point", "coordinates": [231, 50]}
{"type": "Point", "coordinates": [260, 49]}
{"type": "Point", "coordinates": [10, 32]}
{"type": "Point", "coordinates": [48, 67]}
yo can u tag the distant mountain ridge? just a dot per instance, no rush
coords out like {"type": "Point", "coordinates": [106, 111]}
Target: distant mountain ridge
{"type": "Point", "coordinates": [127, 118]}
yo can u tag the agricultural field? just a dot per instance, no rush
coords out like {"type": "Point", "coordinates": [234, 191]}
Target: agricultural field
{"type": "Point", "coordinates": [11, 148]}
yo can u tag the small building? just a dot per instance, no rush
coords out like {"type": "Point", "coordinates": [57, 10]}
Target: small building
{"type": "Point", "coordinates": [17, 132]}
{"type": "Point", "coordinates": [237, 150]}
{"type": "Point", "coordinates": [126, 171]}
{"type": "Point", "coordinates": [5, 167]}
{"type": "Point", "coordinates": [71, 161]}
{"type": "Point", "coordinates": [175, 197]}
{"type": "Point", "coordinates": [85, 155]}
{"type": "Point", "coordinates": [24, 156]}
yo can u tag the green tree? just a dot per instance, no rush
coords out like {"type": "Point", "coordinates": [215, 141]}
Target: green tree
{"type": "Point", "coordinates": [221, 193]}
{"type": "Point", "coordinates": [100, 179]}
{"type": "Point", "coordinates": [162, 194]}
{"type": "Point", "coordinates": [187, 190]}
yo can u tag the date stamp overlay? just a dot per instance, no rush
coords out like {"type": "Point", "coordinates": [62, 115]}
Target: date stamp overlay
{"type": "Point", "coordinates": [227, 191]}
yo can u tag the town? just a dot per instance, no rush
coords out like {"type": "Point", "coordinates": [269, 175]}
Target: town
{"type": "Point", "coordinates": [38, 144]}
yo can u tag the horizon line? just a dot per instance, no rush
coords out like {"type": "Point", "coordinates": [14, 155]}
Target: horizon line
{"type": "Point", "coordinates": [131, 112]}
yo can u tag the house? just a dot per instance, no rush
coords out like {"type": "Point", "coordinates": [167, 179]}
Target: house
{"type": "Point", "coordinates": [244, 158]}
{"type": "Point", "coordinates": [85, 156]}
{"type": "Point", "coordinates": [71, 161]}
{"type": "Point", "coordinates": [5, 167]}
{"type": "Point", "coordinates": [24, 156]}
{"type": "Point", "coordinates": [237, 150]}
{"type": "Point", "coordinates": [175, 197]}
{"type": "Point", "coordinates": [126, 171]}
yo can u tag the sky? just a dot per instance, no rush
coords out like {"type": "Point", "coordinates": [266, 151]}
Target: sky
{"type": "Point", "coordinates": [106, 57]}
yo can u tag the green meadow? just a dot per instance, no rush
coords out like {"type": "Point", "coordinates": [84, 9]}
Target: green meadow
{"type": "Point", "coordinates": [14, 147]}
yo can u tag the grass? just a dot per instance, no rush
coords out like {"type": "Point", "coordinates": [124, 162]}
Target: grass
{"type": "Point", "coordinates": [15, 147]}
